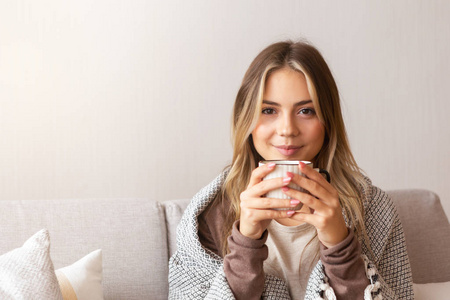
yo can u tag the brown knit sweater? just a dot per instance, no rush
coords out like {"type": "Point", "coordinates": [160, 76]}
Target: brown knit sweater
{"type": "Point", "coordinates": [243, 266]}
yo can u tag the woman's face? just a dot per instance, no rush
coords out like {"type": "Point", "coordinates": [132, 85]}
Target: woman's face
{"type": "Point", "coordinates": [288, 127]}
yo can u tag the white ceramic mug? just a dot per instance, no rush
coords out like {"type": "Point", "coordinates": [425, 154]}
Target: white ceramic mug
{"type": "Point", "coordinates": [283, 166]}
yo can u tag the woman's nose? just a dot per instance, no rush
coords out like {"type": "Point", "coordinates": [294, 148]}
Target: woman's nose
{"type": "Point", "coordinates": [287, 127]}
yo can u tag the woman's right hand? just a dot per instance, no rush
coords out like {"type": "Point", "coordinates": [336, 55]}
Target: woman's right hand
{"type": "Point", "coordinates": [256, 210]}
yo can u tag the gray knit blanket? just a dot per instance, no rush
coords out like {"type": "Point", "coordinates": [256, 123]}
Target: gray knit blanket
{"type": "Point", "coordinates": [197, 273]}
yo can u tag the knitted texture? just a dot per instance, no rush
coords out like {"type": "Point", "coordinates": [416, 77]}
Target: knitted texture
{"type": "Point", "coordinates": [197, 273]}
{"type": "Point", "coordinates": [28, 273]}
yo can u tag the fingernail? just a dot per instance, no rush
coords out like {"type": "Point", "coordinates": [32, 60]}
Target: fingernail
{"type": "Point", "coordinates": [285, 189]}
{"type": "Point", "coordinates": [294, 202]}
{"type": "Point", "coordinates": [302, 164]}
{"type": "Point", "coordinates": [286, 180]}
{"type": "Point", "coordinates": [290, 174]}
{"type": "Point", "coordinates": [270, 165]}
{"type": "Point", "coordinates": [290, 212]}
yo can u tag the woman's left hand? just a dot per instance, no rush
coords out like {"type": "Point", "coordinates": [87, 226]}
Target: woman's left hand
{"type": "Point", "coordinates": [324, 200]}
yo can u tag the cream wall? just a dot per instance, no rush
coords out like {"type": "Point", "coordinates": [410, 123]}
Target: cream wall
{"type": "Point", "coordinates": [133, 98]}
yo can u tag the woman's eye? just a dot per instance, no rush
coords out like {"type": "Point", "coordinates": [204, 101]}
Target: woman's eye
{"type": "Point", "coordinates": [268, 111]}
{"type": "Point", "coordinates": [307, 111]}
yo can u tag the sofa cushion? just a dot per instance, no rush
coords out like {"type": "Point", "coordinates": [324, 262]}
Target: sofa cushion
{"type": "Point", "coordinates": [174, 211]}
{"type": "Point", "coordinates": [130, 232]}
{"type": "Point", "coordinates": [427, 234]}
{"type": "Point", "coordinates": [428, 291]}
{"type": "Point", "coordinates": [82, 280]}
{"type": "Point", "coordinates": [27, 272]}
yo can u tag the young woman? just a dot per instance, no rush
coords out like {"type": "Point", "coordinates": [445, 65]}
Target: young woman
{"type": "Point", "coordinates": [345, 243]}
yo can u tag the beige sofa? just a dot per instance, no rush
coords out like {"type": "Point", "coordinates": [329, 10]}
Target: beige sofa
{"type": "Point", "coordinates": [137, 237]}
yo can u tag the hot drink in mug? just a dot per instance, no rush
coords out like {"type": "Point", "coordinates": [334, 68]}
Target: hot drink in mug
{"type": "Point", "coordinates": [283, 166]}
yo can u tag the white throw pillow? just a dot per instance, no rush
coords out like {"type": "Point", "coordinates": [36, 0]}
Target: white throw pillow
{"type": "Point", "coordinates": [83, 279]}
{"type": "Point", "coordinates": [432, 291]}
{"type": "Point", "coordinates": [27, 272]}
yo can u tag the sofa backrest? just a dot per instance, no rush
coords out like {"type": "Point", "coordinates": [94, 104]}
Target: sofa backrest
{"type": "Point", "coordinates": [130, 232]}
{"type": "Point", "coordinates": [138, 236]}
{"type": "Point", "coordinates": [174, 211]}
{"type": "Point", "coordinates": [427, 234]}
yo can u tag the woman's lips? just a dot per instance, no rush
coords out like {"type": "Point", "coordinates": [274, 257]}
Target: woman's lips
{"type": "Point", "coordinates": [287, 150]}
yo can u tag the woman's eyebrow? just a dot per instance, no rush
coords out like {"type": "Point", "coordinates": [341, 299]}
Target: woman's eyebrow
{"type": "Point", "coordinates": [300, 103]}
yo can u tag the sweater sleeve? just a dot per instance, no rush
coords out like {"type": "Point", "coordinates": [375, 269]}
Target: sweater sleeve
{"type": "Point", "coordinates": [209, 224]}
{"type": "Point", "coordinates": [345, 268]}
{"type": "Point", "coordinates": [243, 266]}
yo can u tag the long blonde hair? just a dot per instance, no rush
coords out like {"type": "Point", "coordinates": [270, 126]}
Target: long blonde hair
{"type": "Point", "coordinates": [335, 155]}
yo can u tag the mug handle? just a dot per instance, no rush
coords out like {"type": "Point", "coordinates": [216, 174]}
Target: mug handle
{"type": "Point", "coordinates": [322, 171]}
